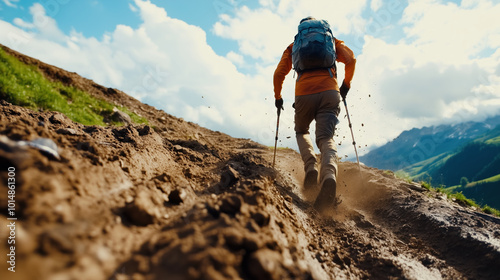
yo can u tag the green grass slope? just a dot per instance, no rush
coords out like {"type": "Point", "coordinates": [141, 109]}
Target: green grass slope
{"type": "Point", "coordinates": [421, 171]}
{"type": "Point", "coordinates": [483, 192]}
{"type": "Point", "coordinates": [472, 171]}
{"type": "Point", "coordinates": [25, 85]}
{"type": "Point", "coordinates": [478, 160]}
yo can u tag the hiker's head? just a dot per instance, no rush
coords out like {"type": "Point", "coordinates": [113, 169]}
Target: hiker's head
{"type": "Point", "coordinates": [307, 18]}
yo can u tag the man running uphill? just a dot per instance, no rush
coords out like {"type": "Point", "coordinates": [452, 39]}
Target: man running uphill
{"type": "Point", "coordinates": [317, 97]}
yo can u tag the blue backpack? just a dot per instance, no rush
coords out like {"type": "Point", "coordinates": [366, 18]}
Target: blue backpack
{"type": "Point", "coordinates": [314, 46]}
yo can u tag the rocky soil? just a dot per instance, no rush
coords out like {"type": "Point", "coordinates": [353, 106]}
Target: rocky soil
{"type": "Point", "coordinates": [172, 200]}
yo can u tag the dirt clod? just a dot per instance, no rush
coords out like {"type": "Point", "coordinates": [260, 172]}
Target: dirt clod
{"type": "Point", "coordinates": [231, 204]}
{"type": "Point", "coordinates": [265, 264]}
{"type": "Point", "coordinates": [229, 177]}
{"type": "Point", "coordinates": [141, 211]}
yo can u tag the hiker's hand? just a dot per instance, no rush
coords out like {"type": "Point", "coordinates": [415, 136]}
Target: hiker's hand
{"type": "Point", "coordinates": [279, 104]}
{"type": "Point", "coordinates": [344, 89]}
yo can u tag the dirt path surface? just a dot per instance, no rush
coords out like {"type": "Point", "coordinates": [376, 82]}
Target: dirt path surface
{"type": "Point", "coordinates": [172, 200]}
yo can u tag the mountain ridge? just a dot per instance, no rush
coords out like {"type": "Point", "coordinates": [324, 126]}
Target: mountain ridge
{"type": "Point", "coordinates": [419, 144]}
{"type": "Point", "coordinates": [446, 156]}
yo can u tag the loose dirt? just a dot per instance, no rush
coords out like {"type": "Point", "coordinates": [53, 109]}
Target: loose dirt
{"type": "Point", "coordinates": [173, 200]}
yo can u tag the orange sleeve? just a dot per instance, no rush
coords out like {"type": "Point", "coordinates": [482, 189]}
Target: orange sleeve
{"type": "Point", "coordinates": [346, 56]}
{"type": "Point", "coordinates": [284, 67]}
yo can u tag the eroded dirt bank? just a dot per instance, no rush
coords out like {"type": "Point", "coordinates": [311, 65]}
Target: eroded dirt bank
{"type": "Point", "coordinates": [183, 202]}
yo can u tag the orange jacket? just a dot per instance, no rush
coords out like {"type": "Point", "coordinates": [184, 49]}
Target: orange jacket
{"type": "Point", "coordinates": [314, 81]}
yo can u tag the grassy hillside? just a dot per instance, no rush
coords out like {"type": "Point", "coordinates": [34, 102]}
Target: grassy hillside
{"type": "Point", "coordinates": [478, 160]}
{"type": "Point", "coordinates": [475, 162]}
{"type": "Point", "coordinates": [25, 85]}
{"type": "Point", "coordinates": [483, 192]}
{"type": "Point", "coordinates": [421, 171]}
{"type": "Point", "coordinates": [473, 170]}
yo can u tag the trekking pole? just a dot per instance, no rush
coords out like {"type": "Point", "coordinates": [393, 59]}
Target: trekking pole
{"type": "Point", "coordinates": [352, 134]}
{"type": "Point", "coordinates": [276, 139]}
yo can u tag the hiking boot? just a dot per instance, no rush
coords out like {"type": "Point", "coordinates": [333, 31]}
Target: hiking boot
{"type": "Point", "coordinates": [311, 179]}
{"type": "Point", "coordinates": [326, 199]}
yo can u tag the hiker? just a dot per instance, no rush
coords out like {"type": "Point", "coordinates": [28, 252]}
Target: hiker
{"type": "Point", "coordinates": [317, 97]}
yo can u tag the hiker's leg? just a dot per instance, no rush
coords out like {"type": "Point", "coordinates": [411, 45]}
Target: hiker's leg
{"type": "Point", "coordinates": [328, 160]}
{"type": "Point", "coordinates": [326, 120]}
{"type": "Point", "coordinates": [306, 150]}
{"type": "Point", "coordinates": [304, 114]}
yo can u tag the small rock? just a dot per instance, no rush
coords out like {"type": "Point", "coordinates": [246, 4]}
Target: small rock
{"type": "Point", "coordinates": [67, 131]}
{"type": "Point", "coordinates": [46, 146]}
{"type": "Point", "coordinates": [103, 254]}
{"type": "Point", "coordinates": [228, 177]}
{"type": "Point", "coordinates": [57, 118]}
{"type": "Point", "coordinates": [141, 211]}
{"type": "Point", "coordinates": [119, 116]}
{"type": "Point", "coordinates": [179, 148]}
{"type": "Point", "coordinates": [265, 264]}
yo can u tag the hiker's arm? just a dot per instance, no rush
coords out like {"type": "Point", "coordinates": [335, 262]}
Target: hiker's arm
{"type": "Point", "coordinates": [346, 56]}
{"type": "Point", "coordinates": [284, 67]}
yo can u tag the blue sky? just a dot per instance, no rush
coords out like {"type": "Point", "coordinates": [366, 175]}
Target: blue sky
{"type": "Point", "coordinates": [95, 18]}
{"type": "Point", "coordinates": [419, 62]}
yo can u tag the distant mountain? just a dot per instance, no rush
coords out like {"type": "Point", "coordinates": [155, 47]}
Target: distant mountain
{"type": "Point", "coordinates": [473, 170]}
{"type": "Point", "coordinates": [420, 144]}
{"type": "Point", "coordinates": [461, 158]}
{"type": "Point", "coordinates": [477, 160]}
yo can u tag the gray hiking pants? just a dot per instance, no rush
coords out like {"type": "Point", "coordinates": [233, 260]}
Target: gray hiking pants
{"type": "Point", "coordinates": [323, 107]}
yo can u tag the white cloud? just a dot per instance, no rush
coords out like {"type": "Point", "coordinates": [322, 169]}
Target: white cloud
{"type": "Point", "coordinates": [21, 23]}
{"type": "Point", "coordinates": [237, 59]}
{"type": "Point", "coordinates": [375, 5]}
{"type": "Point", "coordinates": [132, 7]}
{"type": "Point", "coordinates": [247, 28]}
{"type": "Point", "coordinates": [265, 32]}
{"type": "Point", "coordinates": [204, 115]}
{"type": "Point", "coordinates": [450, 33]}
{"type": "Point", "coordinates": [46, 26]}
{"type": "Point", "coordinates": [150, 13]}
{"type": "Point", "coordinates": [10, 4]}
{"type": "Point", "coordinates": [442, 72]}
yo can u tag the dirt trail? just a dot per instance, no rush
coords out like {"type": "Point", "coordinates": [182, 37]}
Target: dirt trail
{"type": "Point", "coordinates": [128, 202]}
{"type": "Point", "coordinates": [172, 200]}
{"type": "Point", "coordinates": [389, 228]}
